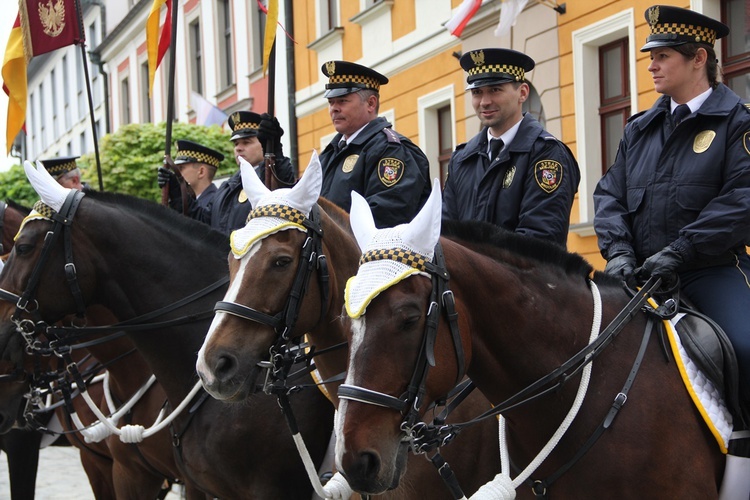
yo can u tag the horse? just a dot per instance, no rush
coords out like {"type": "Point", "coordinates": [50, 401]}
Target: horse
{"type": "Point", "coordinates": [11, 216]}
{"type": "Point", "coordinates": [265, 272]}
{"type": "Point", "coordinates": [175, 274]}
{"type": "Point", "coordinates": [525, 308]}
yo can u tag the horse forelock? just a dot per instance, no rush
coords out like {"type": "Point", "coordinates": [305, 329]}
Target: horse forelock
{"type": "Point", "coordinates": [183, 229]}
{"type": "Point", "coordinates": [500, 244]}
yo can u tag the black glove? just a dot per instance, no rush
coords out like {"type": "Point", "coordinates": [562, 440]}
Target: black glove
{"type": "Point", "coordinates": [663, 264]}
{"type": "Point", "coordinates": [165, 176]}
{"type": "Point", "coordinates": [269, 128]}
{"type": "Point", "coordinates": [621, 265]}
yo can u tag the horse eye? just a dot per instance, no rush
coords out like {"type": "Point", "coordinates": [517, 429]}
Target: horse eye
{"type": "Point", "coordinates": [282, 262]}
{"type": "Point", "coordinates": [24, 249]}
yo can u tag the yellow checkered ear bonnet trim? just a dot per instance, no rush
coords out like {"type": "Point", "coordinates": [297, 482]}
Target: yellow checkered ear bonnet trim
{"type": "Point", "coordinates": [368, 81]}
{"type": "Point", "coordinates": [413, 259]}
{"type": "Point", "coordinates": [281, 211]}
{"type": "Point", "coordinates": [44, 210]}
{"type": "Point", "coordinates": [62, 168]}
{"type": "Point", "coordinates": [201, 157]}
{"type": "Point", "coordinates": [516, 71]}
{"type": "Point", "coordinates": [246, 125]}
{"type": "Point", "coordinates": [699, 34]}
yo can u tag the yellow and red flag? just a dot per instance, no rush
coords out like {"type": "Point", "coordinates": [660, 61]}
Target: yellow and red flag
{"type": "Point", "coordinates": [157, 43]}
{"type": "Point", "coordinates": [48, 26]}
{"type": "Point", "coordinates": [272, 18]}
{"type": "Point", "coordinates": [14, 83]}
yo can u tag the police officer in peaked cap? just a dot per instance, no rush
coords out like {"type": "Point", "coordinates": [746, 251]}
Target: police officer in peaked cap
{"type": "Point", "coordinates": [367, 155]}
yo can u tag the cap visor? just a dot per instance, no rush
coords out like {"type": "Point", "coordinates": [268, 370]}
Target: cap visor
{"type": "Point", "coordinates": [243, 133]}
{"type": "Point", "coordinates": [660, 43]}
{"type": "Point", "coordinates": [339, 92]}
{"type": "Point", "coordinates": [486, 82]}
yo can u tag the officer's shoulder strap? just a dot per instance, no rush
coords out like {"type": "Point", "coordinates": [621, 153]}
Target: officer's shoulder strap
{"type": "Point", "coordinates": [391, 135]}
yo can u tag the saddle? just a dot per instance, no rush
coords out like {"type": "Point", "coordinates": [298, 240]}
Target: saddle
{"type": "Point", "coordinates": [710, 349]}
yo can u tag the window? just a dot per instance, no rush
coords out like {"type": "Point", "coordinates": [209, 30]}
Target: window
{"type": "Point", "coordinates": [445, 140]}
{"type": "Point", "coordinates": [145, 102]}
{"type": "Point", "coordinates": [329, 15]}
{"type": "Point", "coordinates": [124, 101]}
{"type": "Point", "coordinates": [226, 70]}
{"type": "Point", "coordinates": [66, 93]}
{"type": "Point", "coordinates": [80, 90]}
{"type": "Point", "coordinates": [42, 108]}
{"type": "Point", "coordinates": [614, 97]}
{"type": "Point", "coordinates": [93, 41]}
{"type": "Point", "coordinates": [34, 129]}
{"type": "Point", "coordinates": [53, 88]}
{"type": "Point", "coordinates": [258, 28]}
{"type": "Point", "coordinates": [196, 66]}
{"type": "Point", "coordinates": [736, 47]}
{"type": "Point", "coordinates": [82, 144]}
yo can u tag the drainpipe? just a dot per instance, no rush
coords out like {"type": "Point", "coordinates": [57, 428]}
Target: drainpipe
{"type": "Point", "coordinates": [291, 87]}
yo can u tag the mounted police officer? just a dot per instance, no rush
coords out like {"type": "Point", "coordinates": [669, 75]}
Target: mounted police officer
{"type": "Point", "coordinates": [367, 155]}
{"type": "Point", "coordinates": [228, 210]}
{"type": "Point", "coordinates": [198, 165]}
{"type": "Point", "coordinates": [65, 171]}
{"type": "Point", "coordinates": [514, 173]}
{"type": "Point", "coordinates": [676, 201]}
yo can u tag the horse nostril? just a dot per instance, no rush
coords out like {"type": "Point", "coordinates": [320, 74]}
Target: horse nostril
{"type": "Point", "coordinates": [368, 465]}
{"type": "Point", "coordinates": [226, 366]}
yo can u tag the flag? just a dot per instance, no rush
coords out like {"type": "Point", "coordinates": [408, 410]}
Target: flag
{"type": "Point", "coordinates": [205, 112]}
{"type": "Point", "coordinates": [272, 17]}
{"type": "Point", "coordinates": [14, 83]}
{"type": "Point", "coordinates": [48, 26]}
{"type": "Point", "coordinates": [508, 14]}
{"type": "Point", "coordinates": [462, 16]}
{"type": "Point", "coordinates": [156, 43]}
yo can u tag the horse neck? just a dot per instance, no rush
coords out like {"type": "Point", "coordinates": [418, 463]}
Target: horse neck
{"type": "Point", "coordinates": [522, 332]}
{"type": "Point", "coordinates": [342, 256]}
{"type": "Point", "coordinates": [127, 286]}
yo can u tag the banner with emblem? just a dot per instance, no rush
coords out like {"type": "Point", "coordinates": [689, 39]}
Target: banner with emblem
{"type": "Point", "coordinates": [48, 25]}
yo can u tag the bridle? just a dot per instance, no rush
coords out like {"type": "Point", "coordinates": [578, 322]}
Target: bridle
{"type": "Point", "coordinates": [442, 301]}
{"type": "Point", "coordinates": [285, 352]}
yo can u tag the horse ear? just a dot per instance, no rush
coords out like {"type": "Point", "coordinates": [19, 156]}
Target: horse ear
{"type": "Point", "coordinates": [251, 183]}
{"type": "Point", "coordinates": [423, 232]}
{"type": "Point", "coordinates": [306, 192]}
{"type": "Point", "coordinates": [361, 220]}
{"type": "Point", "coordinates": [49, 190]}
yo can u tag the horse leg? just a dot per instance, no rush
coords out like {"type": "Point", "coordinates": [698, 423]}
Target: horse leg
{"type": "Point", "coordinates": [22, 448]}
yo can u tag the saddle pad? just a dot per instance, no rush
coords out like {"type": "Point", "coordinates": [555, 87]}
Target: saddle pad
{"type": "Point", "coordinates": [705, 396]}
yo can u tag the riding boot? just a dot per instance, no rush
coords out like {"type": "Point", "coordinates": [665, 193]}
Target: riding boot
{"type": "Point", "coordinates": [736, 481]}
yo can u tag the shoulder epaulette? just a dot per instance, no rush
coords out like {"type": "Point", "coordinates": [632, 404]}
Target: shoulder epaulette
{"type": "Point", "coordinates": [391, 135]}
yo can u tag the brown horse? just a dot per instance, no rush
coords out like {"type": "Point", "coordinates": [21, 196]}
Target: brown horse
{"type": "Point", "coordinates": [265, 276]}
{"type": "Point", "coordinates": [524, 308]}
{"type": "Point", "coordinates": [173, 276]}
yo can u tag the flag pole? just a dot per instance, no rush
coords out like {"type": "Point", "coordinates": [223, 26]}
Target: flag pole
{"type": "Point", "coordinates": [269, 157]}
{"type": "Point", "coordinates": [168, 162]}
{"type": "Point", "coordinates": [82, 44]}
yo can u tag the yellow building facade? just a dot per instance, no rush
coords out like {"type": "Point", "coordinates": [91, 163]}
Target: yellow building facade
{"type": "Point", "coordinates": [589, 75]}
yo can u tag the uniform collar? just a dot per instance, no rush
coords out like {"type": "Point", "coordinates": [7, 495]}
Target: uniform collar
{"type": "Point", "coordinates": [720, 102]}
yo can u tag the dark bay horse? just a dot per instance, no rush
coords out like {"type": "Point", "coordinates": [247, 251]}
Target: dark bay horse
{"type": "Point", "coordinates": [135, 258]}
{"type": "Point", "coordinates": [263, 278]}
{"type": "Point", "coordinates": [524, 308]}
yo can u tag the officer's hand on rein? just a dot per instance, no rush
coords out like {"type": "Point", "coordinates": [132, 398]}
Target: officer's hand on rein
{"type": "Point", "coordinates": [663, 264]}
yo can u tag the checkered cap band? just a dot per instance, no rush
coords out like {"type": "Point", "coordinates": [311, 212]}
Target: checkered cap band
{"type": "Point", "coordinates": [281, 211]}
{"type": "Point", "coordinates": [335, 81]}
{"type": "Point", "coordinates": [699, 34]}
{"type": "Point", "coordinates": [44, 210]}
{"type": "Point", "coordinates": [62, 168]}
{"type": "Point", "coordinates": [246, 125]}
{"type": "Point", "coordinates": [199, 157]}
{"type": "Point", "coordinates": [407, 257]}
{"type": "Point", "coordinates": [516, 72]}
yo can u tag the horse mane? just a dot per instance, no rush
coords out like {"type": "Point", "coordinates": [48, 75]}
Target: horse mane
{"type": "Point", "coordinates": [18, 207]}
{"type": "Point", "coordinates": [337, 214]}
{"type": "Point", "coordinates": [512, 248]}
{"type": "Point", "coordinates": [166, 217]}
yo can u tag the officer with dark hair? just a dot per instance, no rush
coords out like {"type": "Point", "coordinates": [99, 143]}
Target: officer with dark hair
{"type": "Point", "coordinates": [228, 209]}
{"type": "Point", "coordinates": [676, 201]}
{"type": "Point", "coordinates": [513, 173]}
{"type": "Point", "coordinates": [367, 155]}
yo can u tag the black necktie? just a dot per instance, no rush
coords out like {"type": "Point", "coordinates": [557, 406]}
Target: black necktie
{"type": "Point", "coordinates": [496, 145]}
{"type": "Point", "coordinates": [342, 145]}
{"type": "Point", "coordinates": [680, 112]}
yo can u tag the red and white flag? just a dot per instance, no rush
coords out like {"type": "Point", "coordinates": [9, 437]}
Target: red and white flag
{"type": "Point", "coordinates": [463, 15]}
{"type": "Point", "coordinates": [508, 15]}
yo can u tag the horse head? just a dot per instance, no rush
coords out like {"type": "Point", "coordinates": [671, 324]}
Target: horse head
{"type": "Point", "coordinates": [388, 302]}
{"type": "Point", "coordinates": [266, 259]}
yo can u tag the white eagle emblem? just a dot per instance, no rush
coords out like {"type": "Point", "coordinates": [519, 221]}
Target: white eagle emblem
{"type": "Point", "coordinates": [52, 17]}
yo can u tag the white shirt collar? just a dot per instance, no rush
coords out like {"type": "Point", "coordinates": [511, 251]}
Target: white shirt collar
{"type": "Point", "coordinates": [355, 134]}
{"type": "Point", "coordinates": [507, 137]}
{"type": "Point", "coordinates": [695, 103]}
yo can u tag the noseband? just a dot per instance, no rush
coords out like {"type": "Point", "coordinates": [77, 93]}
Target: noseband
{"type": "Point", "coordinates": [283, 356]}
{"type": "Point", "coordinates": [441, 301]}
